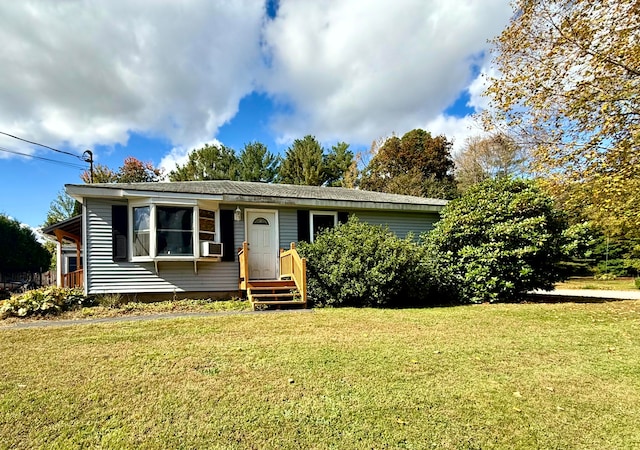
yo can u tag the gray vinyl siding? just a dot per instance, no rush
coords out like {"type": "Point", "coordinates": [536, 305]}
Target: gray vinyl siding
{"type": "Point", "coordinates": [288, 219]}
{"type": "Point", "coordinates": [238, 237]}
{"type": "Point", "coordinates": [400, 224]}
{"type": "Point", "coordinates": [106, 276]}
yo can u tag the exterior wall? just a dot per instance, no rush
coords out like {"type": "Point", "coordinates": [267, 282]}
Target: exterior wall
{"type": "Point", "coordinates": [103, 275]}
{"type": "Point", "coordinates": [106, 276]}
{"type": "Point", "coordinates": [399, 223]}
{"type": "Point", "coordinates": [288, 227]}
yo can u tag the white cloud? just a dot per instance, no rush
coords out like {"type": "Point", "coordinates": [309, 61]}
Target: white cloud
{"type": "Point", "coordinates": [457, 129]}
{"type": "Point", "coordinates": [88, 73]}
{"type": "Point", "coordinates": [358, 70]}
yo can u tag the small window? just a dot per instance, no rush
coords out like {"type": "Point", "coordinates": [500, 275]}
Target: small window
{"type": "Point", "coordinates": [73, 264]}
{"type": "Point", "coordinates": [141, 230]}
{"type": "Point", "coordinates": [207, 225]}
{"type": "Point", "coordinates": [322, 220]}
{"type": "Point", "coordinates": [260, 221]}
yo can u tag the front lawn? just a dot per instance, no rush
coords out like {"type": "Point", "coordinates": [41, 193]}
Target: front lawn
{"type": "Point", "coordinates": [484, 376]}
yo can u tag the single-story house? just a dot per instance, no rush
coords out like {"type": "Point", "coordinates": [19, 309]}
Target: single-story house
{"type": "Point", "coordinates": [197, 239]}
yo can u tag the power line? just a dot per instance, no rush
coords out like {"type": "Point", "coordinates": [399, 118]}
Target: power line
{"type": "Point", "coordinates": [42, 145]}
{"type": "Point", "coordinates": [63, 163]}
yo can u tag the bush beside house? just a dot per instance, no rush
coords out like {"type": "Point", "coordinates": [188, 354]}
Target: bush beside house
{"type": "Point", "coordinates": [362, 265]}
{"type": "Point", "coordinates": [44, 301]}
{"type": "Point", "coordinates": [501, 239]}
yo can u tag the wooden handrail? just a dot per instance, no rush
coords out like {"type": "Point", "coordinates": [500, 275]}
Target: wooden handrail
{"type": "Point", "coordinates": [243, 258]}
{"type": "Point", "coordinates": [295, 267]}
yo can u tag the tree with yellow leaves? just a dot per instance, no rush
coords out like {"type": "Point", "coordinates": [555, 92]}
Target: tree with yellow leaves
{"type": "Point", "coordinates": [569, 87]}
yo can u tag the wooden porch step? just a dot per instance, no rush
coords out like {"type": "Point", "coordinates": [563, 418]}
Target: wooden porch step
{"type": "Point", "coordinates": [272, 288]}
{"type": "Point", "coordinates": [270, 284]}
{"type": "Point", "coordinates": [274, 295]}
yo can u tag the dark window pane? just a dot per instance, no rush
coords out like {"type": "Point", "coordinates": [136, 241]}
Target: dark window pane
{"type": "Point", "coordinates": [174, 235]}
{"type": "Point", "coordinates": [322, 222]}
{"type": "Point", "coordinates": [173, 218]}
{"type": "Point", "coordinates": [177, 243]}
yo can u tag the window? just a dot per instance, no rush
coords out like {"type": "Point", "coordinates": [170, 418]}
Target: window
{"type": "Point", "coordinates": [174, 231]}
{"type": "Point", "coordinates": [171, 231]}
{"type": "Point", "coordinates": [141, 231]}
{"type": "Point", "coordinates": [207, 225]}
{"type": "Point", "coordinates": [162, 231]}
{"type": "Point", "coordinates": [322, 220]}
{"type": "Point", "coordinates": [72, 264]}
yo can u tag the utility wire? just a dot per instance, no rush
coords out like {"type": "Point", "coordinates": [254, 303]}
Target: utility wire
{"type": "Point", "coordinates": [64, 163]}
{"type": "Point", "coordinates": [42, 145]}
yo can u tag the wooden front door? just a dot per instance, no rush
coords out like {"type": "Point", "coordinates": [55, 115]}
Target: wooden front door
{"type": "Point", "coordinates": [262, 236]}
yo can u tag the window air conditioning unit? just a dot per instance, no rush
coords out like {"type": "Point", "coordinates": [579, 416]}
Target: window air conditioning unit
{"type": "Point", "coordinates": [208, 248]}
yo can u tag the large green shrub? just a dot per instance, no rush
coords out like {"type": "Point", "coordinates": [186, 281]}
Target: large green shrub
{"type": "Point", "coordinates": [357, 264]}
{"type": "Point", "coordinates": [43, 301]}
{"type": "Point", "coordinates": [501, 239]}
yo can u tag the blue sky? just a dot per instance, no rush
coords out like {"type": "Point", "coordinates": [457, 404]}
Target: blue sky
{"type": "Point", "coordinates": [155, 80]}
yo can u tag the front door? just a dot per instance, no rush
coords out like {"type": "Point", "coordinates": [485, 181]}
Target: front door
{"type": "Point", "coordinates": [263, 246]}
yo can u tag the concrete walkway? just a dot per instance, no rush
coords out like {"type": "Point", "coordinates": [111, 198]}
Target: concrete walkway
{"type": "Point", "coordinates": [138, 318]}
{"type": "Point", "coordinates": [583, 295]}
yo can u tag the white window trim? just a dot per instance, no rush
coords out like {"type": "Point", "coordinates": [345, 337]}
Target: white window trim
{"type": "Point", "coordinates": [152, 204]}
{"type": "Point", "coordinates": [321, 213]}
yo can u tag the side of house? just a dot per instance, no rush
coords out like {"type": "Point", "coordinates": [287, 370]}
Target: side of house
{"type": "Point", "coordinates": [182, 238]}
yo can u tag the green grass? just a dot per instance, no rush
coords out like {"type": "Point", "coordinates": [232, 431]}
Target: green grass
{"type": "Point", "coordinates": [620, 284]}
{"type": "Point", "coordinates": [486, 376]}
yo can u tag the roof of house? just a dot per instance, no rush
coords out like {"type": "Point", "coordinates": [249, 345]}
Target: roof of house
{"type": "Point", "coordinates": [70, 228]}
{"type": "Point", "coordinates": [264, 193]}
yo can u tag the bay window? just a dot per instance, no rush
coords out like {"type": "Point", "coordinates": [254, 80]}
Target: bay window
{"type": "Point", "coordinates": [168, 231]}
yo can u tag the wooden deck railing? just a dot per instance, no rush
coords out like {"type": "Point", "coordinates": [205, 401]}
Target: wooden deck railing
{"type": "Point", "coordinates": [243, 258]}
{"type": "Point", "coordinates": [73, 279]}
{"type": "Point", "coordinates": [292, 265]}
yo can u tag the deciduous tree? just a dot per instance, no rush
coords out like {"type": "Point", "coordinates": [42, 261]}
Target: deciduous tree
{"type": "Point", "coordinates": [135, 171]}
{"type": "Point", "coordinates": [494, 156]}
{"type": "Point", "coordinates": [417, 163]}
{"type": "Point", "coordinates": [62, 208]}
{"type": "Point", "coordinates": [568, 84]}
{"type": "Point", "coordinates": [132, 171]}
